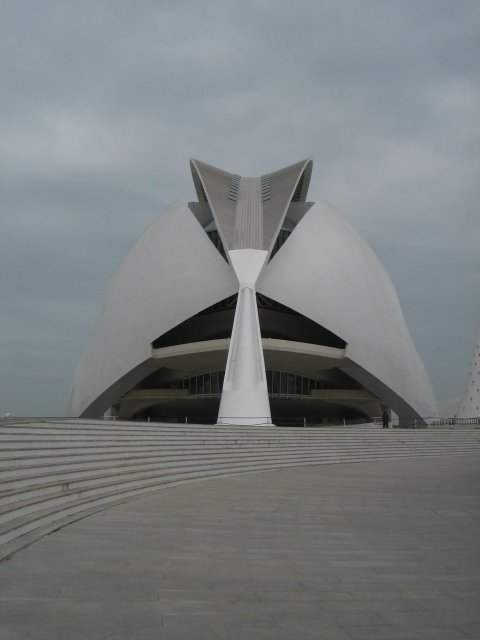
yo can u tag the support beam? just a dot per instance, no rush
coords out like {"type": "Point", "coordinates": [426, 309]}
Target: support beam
{"type": "Point", "coordinates": [245, 393]}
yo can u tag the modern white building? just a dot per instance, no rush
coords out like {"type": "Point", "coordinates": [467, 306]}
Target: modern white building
{"type": "Point", "coordinates": [251, 306]}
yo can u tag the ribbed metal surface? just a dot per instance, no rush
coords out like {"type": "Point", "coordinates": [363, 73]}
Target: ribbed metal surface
{"type": "Point", "coordinates": [266, 190]}
{"type": "Point", "coordinates": [234, 185]}
{"type": "Point", "coordinates": [248, 233]}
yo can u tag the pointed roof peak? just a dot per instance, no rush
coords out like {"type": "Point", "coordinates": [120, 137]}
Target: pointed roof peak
{"type": "Point", "coordinates": [197, 164]}
{"type": "Point", "coordinates": [250, 215]}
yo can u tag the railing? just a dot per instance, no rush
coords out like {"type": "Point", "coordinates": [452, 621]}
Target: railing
{"type": "Point", "coordinates": [453, 421]}
{"type": "Point", "coordinates": [278, 421]}
{"type": "Point", "coordinates": [429, 421]}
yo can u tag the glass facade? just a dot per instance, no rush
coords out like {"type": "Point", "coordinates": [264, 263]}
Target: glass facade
{"type": "Point", "coordinates": [280, 383]}
{"type": "Point", "coordinates": [205, 384]}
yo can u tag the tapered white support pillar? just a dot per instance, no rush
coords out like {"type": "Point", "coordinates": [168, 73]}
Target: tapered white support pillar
{"type": "Point", "coordinates": [245, 393]}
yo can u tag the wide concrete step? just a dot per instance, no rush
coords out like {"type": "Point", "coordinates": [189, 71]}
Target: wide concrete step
{"type": "Point", "coordinates": [17, 479]}
{"type": "Point", "coordinates": [23, 454]}
{"type": "Point", "coordinates": [26, 522]}
{"type": "Point", "coordinates": [45, 514]}
{"type": "Point", "coordinates": [54, 472]}
{"type": "Point", "coordinates": [38, 485]}
{"type": "Point", "coordinates": [257, 433]}
{"type": "Point", "coordinates": [131, 429]}
{"type": "Point", "coordinates": [19, 517]}
{"type": "Point", "coordinates": [301, 434]}
{"type": "Point", "coordinates": [16, 459]}
{"type": "Point", "coordinates": [23, 502]}
{"type": "Point", "coordinates": [57, 445]}
{"type": "Point", "coordinates": [87, 441]}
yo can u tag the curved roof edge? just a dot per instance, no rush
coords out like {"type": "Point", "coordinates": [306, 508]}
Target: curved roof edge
{"type": "Point", "coordinates": [345, 289]}
{"type": "Point", "coordinates": [143, 300]}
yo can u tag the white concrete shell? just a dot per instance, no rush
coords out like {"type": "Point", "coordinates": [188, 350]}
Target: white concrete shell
{"type": "Point", "coordinates": [327, 272]}
{"type": "Point", "coordinates": [172, 272]}
{"type": "Point", "coordinates": [470, 402]}
{"type": "Point", "coordinates": [324, 271]}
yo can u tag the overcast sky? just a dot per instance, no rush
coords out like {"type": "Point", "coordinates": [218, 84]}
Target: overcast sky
{"type": "Point", "coordinates": [103, 103]}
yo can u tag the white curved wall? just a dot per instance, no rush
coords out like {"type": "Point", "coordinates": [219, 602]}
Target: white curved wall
{"type": "Point", "coordinates": [327, 272]}
{"type": "Point", "coordinates": [171, 273]}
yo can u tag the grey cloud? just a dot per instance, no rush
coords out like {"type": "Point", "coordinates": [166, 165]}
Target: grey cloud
{"type": "Point", "coordinates": [103, 103]}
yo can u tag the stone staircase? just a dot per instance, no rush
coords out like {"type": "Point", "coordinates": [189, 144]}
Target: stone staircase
{"type": "Point", "coordinates": [53, 472]}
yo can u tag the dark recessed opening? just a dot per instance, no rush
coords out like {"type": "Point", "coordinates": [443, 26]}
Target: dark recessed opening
{"type": "Point", "coordinates": [276, 321]}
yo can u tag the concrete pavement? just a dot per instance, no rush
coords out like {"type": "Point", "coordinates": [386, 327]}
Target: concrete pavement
{"type": "Point", "coordinates": [382, 550]}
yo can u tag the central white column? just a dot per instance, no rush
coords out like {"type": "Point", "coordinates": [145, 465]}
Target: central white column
{"type": "Point", "coordinates": [245, 393]}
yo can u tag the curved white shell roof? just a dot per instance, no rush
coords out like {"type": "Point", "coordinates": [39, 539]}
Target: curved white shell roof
{"type": "Point", "coordinates": [171, 273]}
{"type": "Point", "coordinates": [325, 271]}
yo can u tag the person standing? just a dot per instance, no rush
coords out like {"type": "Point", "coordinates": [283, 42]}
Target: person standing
{"type": "Point", "coordinates": [385, 419]}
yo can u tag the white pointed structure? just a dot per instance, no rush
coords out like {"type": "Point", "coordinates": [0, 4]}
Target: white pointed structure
{"type": "Point", "coordinates": [470, 403]}
{"type": "Point", "coordinates": [248, 223]}
{"type": "Point", "coordinates": [245, 393]}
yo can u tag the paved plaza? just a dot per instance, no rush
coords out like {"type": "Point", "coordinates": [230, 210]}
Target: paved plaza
{"type": "Point", "coordinates": [383, 550]}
